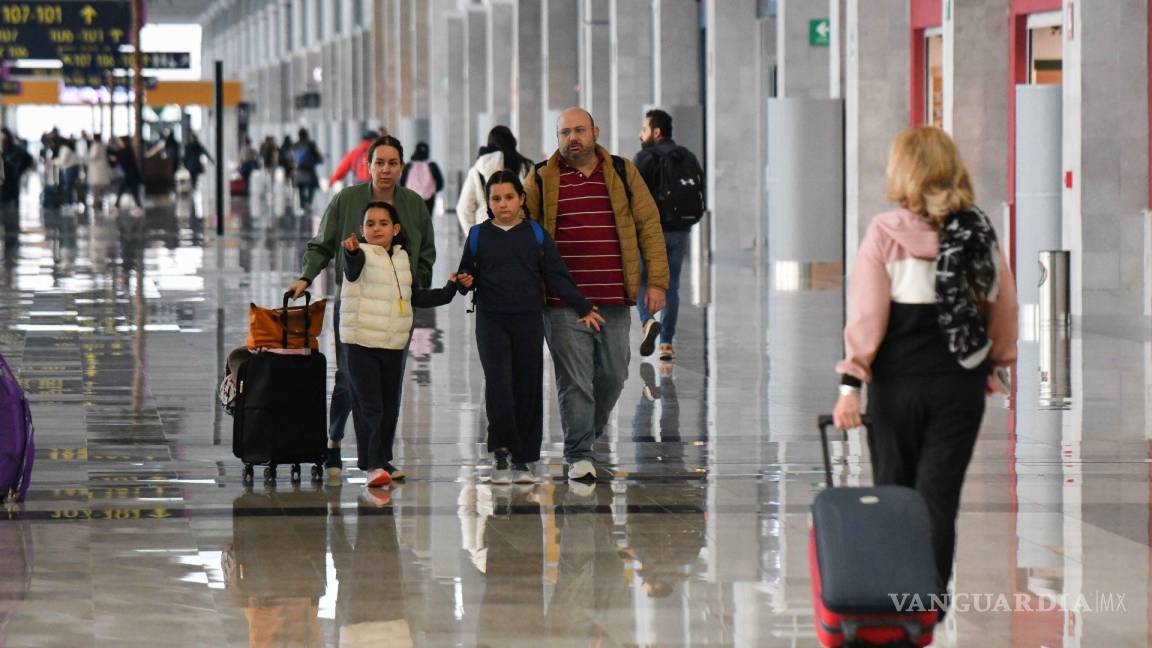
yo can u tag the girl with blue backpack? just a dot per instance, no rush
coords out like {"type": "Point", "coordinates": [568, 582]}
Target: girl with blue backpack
{"type": "Point", "coordinates": [508, 259]}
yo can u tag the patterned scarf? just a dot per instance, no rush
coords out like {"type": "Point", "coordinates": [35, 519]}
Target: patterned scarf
{"type": "Point", "coordinates": [967, 278]}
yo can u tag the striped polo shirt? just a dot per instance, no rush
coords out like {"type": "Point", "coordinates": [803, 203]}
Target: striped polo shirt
{"type": "Point", "coordinates": [587, 239]}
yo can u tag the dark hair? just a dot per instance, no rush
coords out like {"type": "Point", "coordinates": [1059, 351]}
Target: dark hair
{"type": "Point", "coordinates": [386, 140]}
{"type": "Point", "coordinates": [504, 176]}
{"type": "Point", "coordinates": [421, 152]}
{"type": "Point", "coordinates": [659, 119]}
{"type": "Point", "coordinates": [302, 135]}
{"type": "Point", "coordinates": [399, 239]}
{"type": "Point", "coordinates": [500, 138]}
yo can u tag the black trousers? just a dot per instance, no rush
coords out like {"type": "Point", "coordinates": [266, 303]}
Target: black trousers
{"type": "Point", "coordinates": [373, 376]}
{"type": "Point", "coordinates": [923, 431]}
{"type": "Point", "coordinates": [512, 354]}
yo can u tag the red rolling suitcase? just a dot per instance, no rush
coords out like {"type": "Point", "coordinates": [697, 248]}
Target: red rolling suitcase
{"type": "Point", "coordinates": [870, 560]}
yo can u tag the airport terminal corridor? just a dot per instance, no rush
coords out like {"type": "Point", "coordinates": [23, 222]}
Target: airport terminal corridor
{"type": "Point", "coordinates": [138, 529]}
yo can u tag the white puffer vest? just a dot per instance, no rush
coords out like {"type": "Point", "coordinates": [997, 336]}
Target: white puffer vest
{"type": "Point", "coordinates": [376, 309]}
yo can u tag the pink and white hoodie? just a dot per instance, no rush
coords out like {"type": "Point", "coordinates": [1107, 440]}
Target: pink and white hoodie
{"type": "Point", "coordinates": [892, 328]}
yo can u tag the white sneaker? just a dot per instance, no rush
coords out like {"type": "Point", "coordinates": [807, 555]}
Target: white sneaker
{"type": "Point", "coordinates": [650, 332]}
{"type": "Point", "coordinates": [582, 469]}
{"type": "Point", "coordinates": [523, 473]}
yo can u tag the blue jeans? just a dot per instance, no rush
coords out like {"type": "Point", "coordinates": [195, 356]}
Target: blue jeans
{"type": "Point", "coordinates": [591, 367]}
{"type": "Point", "coordinates": [677, 245]}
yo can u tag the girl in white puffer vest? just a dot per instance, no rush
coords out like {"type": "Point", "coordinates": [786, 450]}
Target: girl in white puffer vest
{"type": "Point", "coordinates": [375, 323]}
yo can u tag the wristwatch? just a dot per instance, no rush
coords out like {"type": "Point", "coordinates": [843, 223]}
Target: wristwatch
{"type": "Point", "coordinates": [849, 390]}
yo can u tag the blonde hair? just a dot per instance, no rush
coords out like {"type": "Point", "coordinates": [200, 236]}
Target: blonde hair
{"type": "Point", "coordinates": [927, 176]}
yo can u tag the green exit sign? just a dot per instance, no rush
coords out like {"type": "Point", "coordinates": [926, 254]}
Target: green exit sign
{"type": "Point", "coordinates": [819, 32]}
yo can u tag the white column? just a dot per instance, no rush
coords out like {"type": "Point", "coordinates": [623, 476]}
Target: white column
{"type": "Point", "coordinates": [527, 78]}
{"type": "Point", "coordinates": [500, 48]}
{"type": "Point", "coordinates": [596, 65]}
{"type": "Point", "coordinates": [561, 65]}
{"type": "Point", "coordinates": [630, 35]}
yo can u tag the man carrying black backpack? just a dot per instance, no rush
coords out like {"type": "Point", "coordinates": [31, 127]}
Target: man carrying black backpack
{"type": "Point", "coordinates": [676, 182]}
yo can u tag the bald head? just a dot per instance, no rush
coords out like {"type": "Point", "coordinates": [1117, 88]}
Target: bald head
{"type": "Point", "coordinates": [574, 116]}
{"type": "Point", "coordinates": [576, 135]}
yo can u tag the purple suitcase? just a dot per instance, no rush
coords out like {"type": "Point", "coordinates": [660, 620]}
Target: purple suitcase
{"type": "Point", "coordinates": [17, 450]}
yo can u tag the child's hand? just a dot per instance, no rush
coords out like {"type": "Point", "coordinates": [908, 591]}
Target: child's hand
{"type": "Point", "coordinates": [351, 243]}
{"type": "Point", "coordinates": [592, 319]}
{"type": "Point", "coordinates": [464, 279]}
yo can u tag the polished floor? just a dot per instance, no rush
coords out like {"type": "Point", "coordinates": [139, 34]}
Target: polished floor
{"type": "Point", "coordinates": [138, 530]}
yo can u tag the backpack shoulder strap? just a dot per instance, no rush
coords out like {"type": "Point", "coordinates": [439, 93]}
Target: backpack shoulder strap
{"type": "Point", "coordinates": [622, 172]}
{"type": "Point", "coordinates": [473, 239]}
{"type": "Point", "coordinates": [538, 231]}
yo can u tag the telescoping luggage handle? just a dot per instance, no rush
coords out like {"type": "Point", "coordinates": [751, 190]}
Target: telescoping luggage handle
{"type": "Point", "coordinates": [307, 317]}
{"type": "Point", "coordinates": [825, 421]}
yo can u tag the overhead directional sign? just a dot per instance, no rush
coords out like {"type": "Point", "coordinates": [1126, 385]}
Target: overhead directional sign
{"type": "Point", "coordinates": [126, 60]}
{"type": "Point", "coordinates": [38, 28]}
{"type": "Point", "coordinates": [819, 32]}
{"type": "Point", "coordinates": [86, 78]}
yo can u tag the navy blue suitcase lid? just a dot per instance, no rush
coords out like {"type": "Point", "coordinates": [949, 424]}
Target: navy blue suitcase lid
{"type": "Point", "coordinates": [874, 549]}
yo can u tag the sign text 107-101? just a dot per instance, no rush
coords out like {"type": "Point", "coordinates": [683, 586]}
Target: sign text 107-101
{"type": "Point", "coordinates": [35, 29]}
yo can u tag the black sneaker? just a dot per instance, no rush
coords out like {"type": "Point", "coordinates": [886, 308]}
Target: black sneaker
{"type": "Point", "coordinates": [501, 473]}
{"type": "Point", "coordinates": [650, 332]}
{"type": "Point", "coordinates": [394, 472]}
{"type": "Point", "coordinates": [332, 462]}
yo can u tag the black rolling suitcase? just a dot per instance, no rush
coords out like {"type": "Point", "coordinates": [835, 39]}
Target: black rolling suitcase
{"type": "Point", "coordinates": [871, 565]}
{"type": "Point", "coordinates": [280, 412]}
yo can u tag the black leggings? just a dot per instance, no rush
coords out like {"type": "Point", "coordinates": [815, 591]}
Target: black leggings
{"type": "Point", "coordinates": [923, 431]}
{"type": "Point", "coordinates": [374, 376]}
{"type": "Point", "coordinates": [512, 354]}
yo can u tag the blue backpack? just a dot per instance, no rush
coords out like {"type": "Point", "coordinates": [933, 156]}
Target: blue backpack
{"type": "Point", "coordinates": [474, 236]}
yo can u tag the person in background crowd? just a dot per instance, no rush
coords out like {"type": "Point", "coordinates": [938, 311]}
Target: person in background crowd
{"type": "Point", "coordinates": [500, 153]}
{"type": "Point", "coordinates": [269, 153]}
{"type": "Point", "coordinates": [305, 158]}
{"type": "Point", "coordinates": [130, 181]}
{"type": "Point", "coordinates": [68, 165]}
{"type": "Point", "coordinates": [193, 153]}
{"type": "Point", "coordinates": [662, 162]}
{"type": "Point", "coordinates": [355, 160]}
{"type": "Point", "coordinates": [285, 157]}
{"type": "Point", "coordinates": [16, 161]}
{"type": "Point", "coordinates": [99, 170]}
{"type": "Point", "coordinates": [423, 176]}
{"type": "Point", "coordinates": [249, 160]}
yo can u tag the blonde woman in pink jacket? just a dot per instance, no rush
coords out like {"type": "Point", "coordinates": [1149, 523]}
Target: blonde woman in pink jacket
{"type": "Point", "coordinates": [932, 315]}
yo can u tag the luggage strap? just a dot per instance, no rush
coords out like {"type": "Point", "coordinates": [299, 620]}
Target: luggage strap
{"type": "Point", "coordinates": [307, 318]}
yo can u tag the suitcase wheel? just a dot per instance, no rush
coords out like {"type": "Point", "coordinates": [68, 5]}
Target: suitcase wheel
{"type": "Point", "coordinates": [295, 473]}
{"type": "Point", "coordinates": [317, 473]}
{"type": "Point", "coordinates": [248, 474]}
{"type": "Point", "coordinates": [270, 474]}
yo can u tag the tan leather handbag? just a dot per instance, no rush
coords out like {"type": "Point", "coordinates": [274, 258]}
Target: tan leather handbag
{"type": "Point", "coordinates": [286, 327]}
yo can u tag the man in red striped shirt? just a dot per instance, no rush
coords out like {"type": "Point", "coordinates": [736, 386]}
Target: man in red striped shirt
{"type": "Point", "coordinates": [598, 209]}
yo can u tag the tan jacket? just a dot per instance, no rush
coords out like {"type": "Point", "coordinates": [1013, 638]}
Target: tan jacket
{"type": "Point", "coordinates": [638, 228]}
